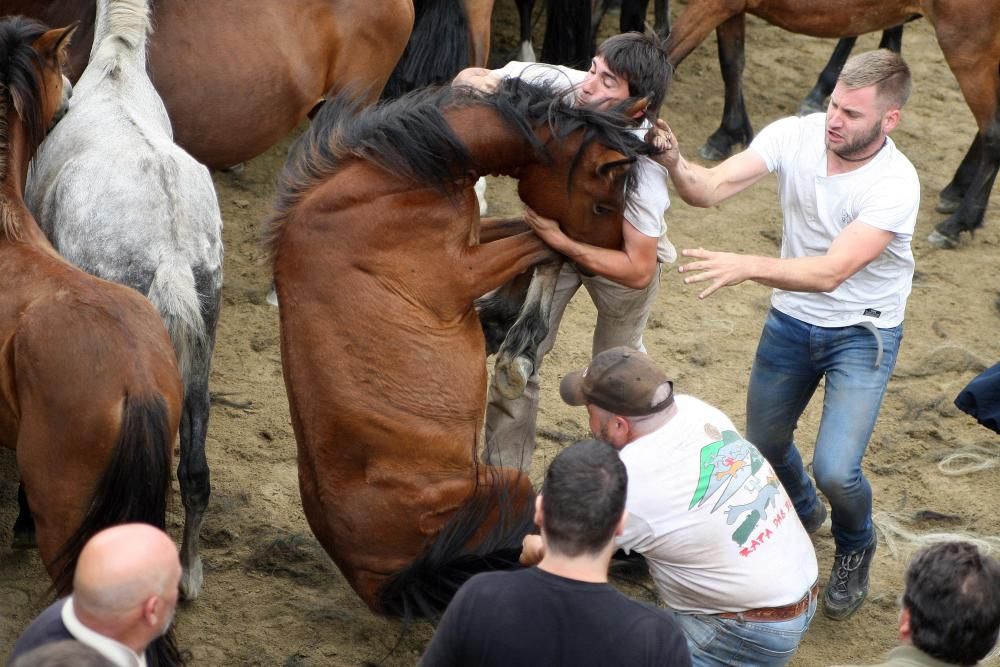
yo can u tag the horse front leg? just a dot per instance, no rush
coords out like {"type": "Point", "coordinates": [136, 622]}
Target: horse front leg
{"type": "Point", "coordinates": [951, 197]}
{"type": "Point", "coordinates": [633, 15]}
{"type": "Point", "coordinates": [485, 267]}
{"type": "Point", "coordinates": [661, 18]}
{"type": "Point", "coordinates": [968, 216]}
{"type": "Point", "coordinates": [815, 101]}
{"type": "Point", "coordinates": [518, 354]}
{"type": "Point", "coordinates": [735, 128]}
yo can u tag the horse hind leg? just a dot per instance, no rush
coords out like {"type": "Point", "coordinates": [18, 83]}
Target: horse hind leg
{"type": "Point", "coordinates": [735, 127]}
{"type": "Point", "coordinates": [517, 358]}
{"type": "Point", "coordinates": [968, 217]}
{"type": "Point", "coordinates": [24, 525]}
{"type": "Point", "coordinates": [815, 101]}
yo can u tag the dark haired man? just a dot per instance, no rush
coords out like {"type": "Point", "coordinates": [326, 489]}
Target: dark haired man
{"type": "Point", "coordinates": [950, 608]}
{"type": "Point", "coordinates": [563, 612]}
{"type": "Point", "coordinates": [849, 199]}
{"type": "Point", "coordinates": [622, 283]}
{"type": "Point", "coordinates": [727, 553]}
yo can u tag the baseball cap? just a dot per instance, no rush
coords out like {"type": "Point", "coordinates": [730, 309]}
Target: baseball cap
{"type": "Point", "coordinates": [621, 380]}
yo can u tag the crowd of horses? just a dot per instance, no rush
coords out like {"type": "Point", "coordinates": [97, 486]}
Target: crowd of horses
{"type": "Point", "coordinates": [378, 249]}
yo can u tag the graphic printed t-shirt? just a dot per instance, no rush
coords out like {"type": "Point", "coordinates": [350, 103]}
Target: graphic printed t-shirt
{"type": "Point", "coordinates": [707, 512]}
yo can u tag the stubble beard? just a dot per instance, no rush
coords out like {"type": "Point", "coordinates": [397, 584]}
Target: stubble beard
{"type": "Point", "coordinates": [851, 149]}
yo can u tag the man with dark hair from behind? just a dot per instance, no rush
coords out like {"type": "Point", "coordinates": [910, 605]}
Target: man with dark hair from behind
{"type": "Point", "coordinates": [950, 608]}
{"type": "Point", "coordinates": [562, 612]}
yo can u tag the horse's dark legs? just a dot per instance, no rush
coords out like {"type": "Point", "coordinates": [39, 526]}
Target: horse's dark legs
{"type": "Point", "coordinates": [526, 52]}
{"type": "Point", "coordinates": [970, 212]}
{"type": "Point", "coordinates": [567, 34]}
{"type": "Point", "coordinates": [517, 358]}
{"type": "Point", "coordinates": [815, 101]}
{"type": "Point", "coordinates": [499, 310]}
{"type": "Point", "coordinates": [735, 128]}
{"type": "Point", "coordinates": [633, 15]}
{"type": "Point", "coordinates": [951, 197]}
{"type": "Point", "coordinates": [24, 525]}
{"type": "Point", "coordinates": [661, 14]}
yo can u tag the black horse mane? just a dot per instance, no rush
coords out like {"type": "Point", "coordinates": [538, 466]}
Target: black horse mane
{"type": "Point", "coordinates": [20, 81]}
{"type": "Point", "coordinates": [424, 588]}
{"type": "Point", "coordinates": [411, 138]}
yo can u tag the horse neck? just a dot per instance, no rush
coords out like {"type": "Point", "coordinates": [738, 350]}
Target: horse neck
{"type": "Point", "coordinates": [16, 222]}
{"type": "Point", "coordinates": [496, 148]}
{"type": "Point", "coordinates": [121, 31]}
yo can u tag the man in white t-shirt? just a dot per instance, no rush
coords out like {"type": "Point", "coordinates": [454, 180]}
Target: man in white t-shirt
{"type": "Point", "coordinates": [622, 283]}
{"type": "Point", "coordinates": [718, 531]}
{"type": "Point", "coordinates": [850, 200]}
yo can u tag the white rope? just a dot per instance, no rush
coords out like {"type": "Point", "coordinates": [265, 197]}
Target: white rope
{"type": "Point", "coordinates": [898, 539]}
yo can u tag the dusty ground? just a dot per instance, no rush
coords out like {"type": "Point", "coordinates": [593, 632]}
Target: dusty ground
{"type": "Point", "coordinates": [271, 595]}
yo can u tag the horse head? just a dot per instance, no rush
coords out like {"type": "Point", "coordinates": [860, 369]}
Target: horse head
{"type": "Point", "coordinates": [54, 88]}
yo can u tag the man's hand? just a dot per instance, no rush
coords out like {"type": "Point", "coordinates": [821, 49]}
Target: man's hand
{"type": "Point", "coordinates": [722, 268]}
{"type": "Point", "coordinates": [546, 228]}
{"type": "Point", "coordinates": [479, 78]}
{"type": "Point", "coordinates": [663, 139]}
{"type": "Point", "coordinates": [532, 550]}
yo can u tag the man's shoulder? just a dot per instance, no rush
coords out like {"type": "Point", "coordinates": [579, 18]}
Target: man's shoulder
{"type": "Point", "coordinates": [907, 656]}
{"type": "Point", "coordinates": [46, 628]}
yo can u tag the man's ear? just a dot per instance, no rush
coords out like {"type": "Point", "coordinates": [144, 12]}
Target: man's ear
{"type": "Point", "coordinates": [890, 121]}
{"type": "Point", "coordinates": [539, 515]}
{"type": "Point", "coordinates": [905, 631]}
{"type": "Point", "coordinates": [620, 528]}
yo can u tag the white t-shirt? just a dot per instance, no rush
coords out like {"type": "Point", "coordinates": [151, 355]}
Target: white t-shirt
{"type": "Point", "coordinates": [650, 200]}
{"type": "Point", "coordinates": [885, 193]}
{"type": "Point", "coordinates": [707, 512]}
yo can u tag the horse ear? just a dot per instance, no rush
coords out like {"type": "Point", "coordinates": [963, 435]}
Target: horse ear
{"type": "Point", "coordinates": [638, 108]}
{"type": "Point", "coordinates": [608, 168]}
{"type": "Point", "coordinates": [53, 43]}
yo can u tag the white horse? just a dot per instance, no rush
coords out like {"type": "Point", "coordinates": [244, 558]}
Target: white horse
{"type": "Point", "coordinates": [119, 199]}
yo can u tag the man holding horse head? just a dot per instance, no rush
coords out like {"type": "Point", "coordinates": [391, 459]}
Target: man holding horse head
{"type": "Point", "coordinates": [850, 202]}
{"type": "Point", "coordinates": [622, 283]}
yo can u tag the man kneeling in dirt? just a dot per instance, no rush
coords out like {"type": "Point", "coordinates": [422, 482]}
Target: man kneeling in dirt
{"type": "Point", "coordinates": [724, 545]}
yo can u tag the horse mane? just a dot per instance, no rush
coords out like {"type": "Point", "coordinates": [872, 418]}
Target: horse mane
{"type": "Point", "coordinates": [410, 137]}
{"type": "Point", "coordinates": [121, 29]}
{"type": "Point", "coordinates": [20, 91]}
{"type": "Point", "coordinates": [424, 588]}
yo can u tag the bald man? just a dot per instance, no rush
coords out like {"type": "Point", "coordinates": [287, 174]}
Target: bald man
{"type": "Point", "coordinates": [124, 596]}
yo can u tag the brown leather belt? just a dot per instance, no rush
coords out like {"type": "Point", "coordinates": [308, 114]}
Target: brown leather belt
{"type": "Point", "coordinates": [785, 613]}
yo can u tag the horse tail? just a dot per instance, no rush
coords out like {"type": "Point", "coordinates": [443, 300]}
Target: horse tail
{"type": "Point", "coordinates": [425, 587]}
{"type": "Point", "coordinates": [568, 39]}
{"type": "Point", "coordinates": [134, 485]}
{"type": "Point", "coordinates": [175, 296]}
{"type": "Point", "coordinates": [121, 28]}
{"type": "Point", "coordinates": [438, 49]}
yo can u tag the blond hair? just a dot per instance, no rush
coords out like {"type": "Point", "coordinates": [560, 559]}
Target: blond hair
{"type": "Point", "coordinates": [884, 69]}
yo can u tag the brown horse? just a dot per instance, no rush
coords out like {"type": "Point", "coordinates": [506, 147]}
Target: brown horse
{"type": "Point", "coordinates": [237, 75]}
{"type": "Point", "coordinates": [378, 257]}
{"type": "Point", "coordinates": [968, 32]}
{"type": "Point", "coordinates": [91, 395]}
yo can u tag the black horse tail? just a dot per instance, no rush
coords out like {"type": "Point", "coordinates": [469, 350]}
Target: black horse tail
{"type": "Point", "coordinates": [439, 47]}
{"type": "Point", "coordinates": [568, 39]}
{"type": "Point", "coordinates": [133, 488]}
{"type": "Point", "coordinates": [425, 587]}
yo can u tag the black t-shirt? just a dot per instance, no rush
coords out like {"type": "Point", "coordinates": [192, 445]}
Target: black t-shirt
{"type": "Point", "coordinates": [532, 617]}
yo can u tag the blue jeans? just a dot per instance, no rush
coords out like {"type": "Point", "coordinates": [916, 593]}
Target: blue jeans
{"type": "Point", "coordinates": [721, 642]}
{"type": "Point", "coordinates": [792, 357]}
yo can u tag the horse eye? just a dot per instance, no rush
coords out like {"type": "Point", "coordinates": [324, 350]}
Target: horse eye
{"type": "Point", "coordinates": [601, 210]}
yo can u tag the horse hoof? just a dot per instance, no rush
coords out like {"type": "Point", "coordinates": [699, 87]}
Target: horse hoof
{"type": "Point", "coordinates": [272, 296]}
{"type": "Point", "coordinates": [939, 240]}
{"type": "Point", "coordinates": [947, 205]}
{"type": "Point", "coordinates": [191, 580]}
{"type": "Point", "coordinates": [526, 53]}
{"type": "Point", "coordinates": [710, 152]}
{"type": "Point", "coordinates": [512, 377]}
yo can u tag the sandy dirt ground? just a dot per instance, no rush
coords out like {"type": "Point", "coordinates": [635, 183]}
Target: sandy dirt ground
{"type": "Point", "coordinates": [272, 596]}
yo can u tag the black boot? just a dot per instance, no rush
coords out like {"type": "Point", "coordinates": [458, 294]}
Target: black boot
{"type": "Point", "coordinates": [848, 585]}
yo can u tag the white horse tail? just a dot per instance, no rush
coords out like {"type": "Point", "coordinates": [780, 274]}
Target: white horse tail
{"type": "Point", "coordinates": [175, 296]}
{"type": "Point", "coordinates": [121, 30]}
